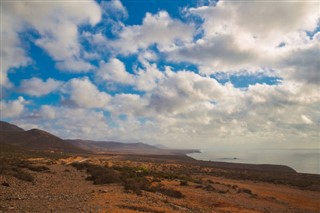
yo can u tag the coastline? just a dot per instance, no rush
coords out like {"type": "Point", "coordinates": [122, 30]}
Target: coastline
{"type": "Point", "coordinates": [262, 157]}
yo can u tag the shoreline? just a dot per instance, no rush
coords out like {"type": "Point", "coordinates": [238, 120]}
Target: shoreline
{"type": "Point", "coordinates": [310, 167]}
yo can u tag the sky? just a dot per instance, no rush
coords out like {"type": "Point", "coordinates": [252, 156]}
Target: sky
{"type": "Point", "coordinates": [186, 74]}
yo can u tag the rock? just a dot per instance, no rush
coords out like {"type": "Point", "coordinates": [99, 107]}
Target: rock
{"type": "Point", "coordinates": [5, 184]}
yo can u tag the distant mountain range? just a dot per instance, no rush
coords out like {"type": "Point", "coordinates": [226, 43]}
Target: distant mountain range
{"type": "Point", "coordinates": [36, 139]}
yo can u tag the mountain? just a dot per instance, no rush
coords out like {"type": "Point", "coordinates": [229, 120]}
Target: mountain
{"type": "Point", "coordinates": [5, 126]}
{"type": "Point", "coordinates": [160, 146]}
{"type": "Point", "coordinates": [111, 146]}
{"type": "Point", "coordinates": [132, 148]}
{"type": "Point", "coordinates": [34, 139]}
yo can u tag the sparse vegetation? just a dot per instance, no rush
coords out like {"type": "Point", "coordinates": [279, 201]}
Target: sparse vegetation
{"type": "Point", "coordinates": [137, 184]}
{"type": "Point", "coordinates": [15, 168]}
{"type": "Point", "coordinates": [245, 190]}
{"type": "Point", "coordinates": [132, 179]}
{"type": "Point", "coordinates": [184, 183]}
{"type": "Point", "coordinates": [167, 191]}
{"type": "Point", "coordinates": [140, 209]}
{"type": "Point", "coordinates": [99, 174]}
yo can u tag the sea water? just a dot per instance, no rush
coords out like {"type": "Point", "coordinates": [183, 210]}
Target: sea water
{"type": "Point", "coordinates": [301, 160]}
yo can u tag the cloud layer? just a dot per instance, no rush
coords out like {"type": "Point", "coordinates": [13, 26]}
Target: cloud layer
{"type": "Point", "coordinates": [158, 81]}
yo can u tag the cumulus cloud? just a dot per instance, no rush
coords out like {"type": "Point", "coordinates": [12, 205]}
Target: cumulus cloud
{"type": "Point", "coordinates": [69, 122]}
{"type": "Point", "coordinates": [179, 91]}
{"type": "Point", "coordinates": [13, 54]}
{"type": "Point", "coordinates": [246, 35]}
{"type": "Point", "coordinates": [114, 71]}
{"type": "Point", "coordinates": [215, 55]}
{"type": "Point", "coordinates": [302, 64]}
{"type": "Point", "coordinates": [159, 29]}
{"type": "Point", "coordinates": [148, 76]}
{"type": "Point", "coordinates": [128, 104]}
{"type": "Point", "coordinates": [38, 87]}
{"type": "Point", "coordinates": [84, 93]}
{"type": "Point", "coordinates": [74, 65]}
{"type": "Point", "coordinates": [114, 8]}
{"type": "Point", "coordinates": [57, 25]}
{"type": "Point", "coordinates": [189, 108]}
{"type": "Point", "coordinates": [144, 78]}
{"type": "Point", "coordinates": [12, 108]}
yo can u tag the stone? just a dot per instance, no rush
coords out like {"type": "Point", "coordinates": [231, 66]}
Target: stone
{"type": "Point", "coordinates": [5, 184]}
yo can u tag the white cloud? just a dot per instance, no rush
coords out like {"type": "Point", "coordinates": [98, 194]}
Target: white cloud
{"type": "Point", "coordinates": [57, 24]}
{"type": "Point", "coordinates": [180, 91]}
{"type": "Point", "coordinates": [114, 8]}
{"type": "Point", "coordinates": [12, 108]}
{"type": "Point", "coordinates": [186, 107]}
{"type": "Point", "coordinates": [47, 112]}
{"type": "Point", "coordinates": [128, 104]}
{"type": "Point", "coordinates": [85, 94]}
{"type": "Point", "coordinates": [241, 35]}
{"type": "Point", "coordinates": [12, 51]}
{"type": "Point", "coordinates": [38, 87]}
{"type": "Point", "coordinates": [182, 106]}
{"type": "Point", "coordinates": [75, 65]}
{"type": "Point", "coordinates": [144, 78]}
{"type": "Point", "coordinates": [148, 76]}
{"type": "Point", "coordinates": [306, 120]}
{"type": "Point", "coordinates": [302, 64]}
{"type": "Point", "coordinates": [114, 71]}
{"type": "Point", "coordinates": [159, 29]}
{"type": "Point", "coordinates": [215, 55]}
{"type": "Point", "coordinates": [69, 122]}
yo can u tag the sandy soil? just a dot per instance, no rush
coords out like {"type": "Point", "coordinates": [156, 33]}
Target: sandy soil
{"type": "Point", "coordinates": [64, 189]}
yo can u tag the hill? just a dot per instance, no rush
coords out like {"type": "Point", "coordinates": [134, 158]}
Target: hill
{"type": "Point", "coordinates": [118, 147]}
{"type": "Point", "coordinates": [5, 126]}
{"type": "Point", "coordinates": [34, 139]}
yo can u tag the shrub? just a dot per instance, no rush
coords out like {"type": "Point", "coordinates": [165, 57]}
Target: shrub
{"type": "Point", "coordinates": [244, 190]}
{"type": "Point", "coordinates": [103, 175]}
{"type": "Point", "coordinates": [167, 191]}
{"type": "Point", "coordinates": [22, 175]}
{"type": "Point", "coordinates": [140, 208]}
{"type": "Point", "coordinates": [12, 167]}
{"type": "Point", "coordinates": [28, 165]}
{"type": "Point", "coordinates": [183, 183]}
{"type": "Point", "coordinates": [38, 168]}
{"type": "Point", "coordinates": [210, 181]}
{"type": "Point", "coordinates": [171, 192]}
{"type": "Point", "coordinates": [209, 188]}
{"type": "Point", "coordinates": [198, 186]}
{"type": "Point", "coordinates": [137, 185]}
{"type": "Point", "coordinates": [99, 174]}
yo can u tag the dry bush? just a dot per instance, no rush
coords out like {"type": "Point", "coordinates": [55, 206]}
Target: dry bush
{"type": "Point", "coordinates": [137, 184]}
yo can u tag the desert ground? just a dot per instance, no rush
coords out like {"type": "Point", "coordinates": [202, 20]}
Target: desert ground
{"type": "Point", "coordinates": [132, 183]}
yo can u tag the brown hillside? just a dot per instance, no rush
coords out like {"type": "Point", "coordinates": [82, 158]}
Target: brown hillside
{"type": "Point", "coordinates": [5, 126]}
{"type": "Point", "coordinates": [36, 139]}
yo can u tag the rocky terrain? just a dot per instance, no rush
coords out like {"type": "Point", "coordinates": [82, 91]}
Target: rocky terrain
{"type": "Point", "coordinates": [64, 188]}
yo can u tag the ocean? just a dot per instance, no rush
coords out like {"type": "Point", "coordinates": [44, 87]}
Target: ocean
{"type": "Point", "coordinates": [301, 160]}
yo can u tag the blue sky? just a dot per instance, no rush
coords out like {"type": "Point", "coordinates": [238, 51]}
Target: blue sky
{"type": "Point", "coordinates": [195, 73]}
